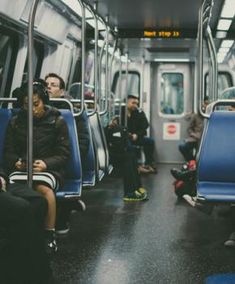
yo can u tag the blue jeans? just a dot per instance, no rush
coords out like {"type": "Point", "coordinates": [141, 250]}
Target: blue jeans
{"type": "Point", "coordinates": [187, 149]}
{"type": "Point", "coordinates": [148, 147]}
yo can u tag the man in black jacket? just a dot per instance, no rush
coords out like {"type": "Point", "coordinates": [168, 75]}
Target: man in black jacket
{"type": "Point", "coordinates": [125, 160]}
{"type": "Point", "coordinates": [137, 125]}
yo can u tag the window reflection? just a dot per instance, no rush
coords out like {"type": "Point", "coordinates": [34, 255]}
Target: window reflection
{"type": "Point", "coordinates": [172, 93]}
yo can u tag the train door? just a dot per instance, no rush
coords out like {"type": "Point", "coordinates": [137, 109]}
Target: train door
{"type": "Point", "coordinates": [171, 97]}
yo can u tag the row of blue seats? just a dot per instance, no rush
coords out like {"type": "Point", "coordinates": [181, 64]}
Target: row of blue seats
{"type": "Point", "coordinates": [96, 164]}
{"type": "Point", "coordinates": [216, 163]}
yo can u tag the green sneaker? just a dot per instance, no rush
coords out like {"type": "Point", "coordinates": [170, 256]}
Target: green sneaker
{"type": "Point", "coordinates": [142, 191]}
{"type": "Point", "coordinates": [135, 196]}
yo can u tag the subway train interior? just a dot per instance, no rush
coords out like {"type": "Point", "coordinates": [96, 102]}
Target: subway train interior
{"type": "Point", "coordinates": [171, 56]}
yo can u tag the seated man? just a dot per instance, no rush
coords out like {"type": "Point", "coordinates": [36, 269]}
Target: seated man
{"type": "Point", "coordinates": [125, 160]}
{"type": "Point", "coordinates": [23, 256]}
{"type": "Point", "coordinates": [137, 125]}
{"type": "Point", "coordinates": [50, 148]}
{"type": "Point", "coordinates": [56, 89]}
{"type": "Point", "coordinates": [195, 129]}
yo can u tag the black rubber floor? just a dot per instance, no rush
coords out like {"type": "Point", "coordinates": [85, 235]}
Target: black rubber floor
{"type": "Point", "coordinates": [163, 240]}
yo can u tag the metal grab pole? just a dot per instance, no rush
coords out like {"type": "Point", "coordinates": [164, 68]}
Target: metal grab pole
{"type": "Point", "coordinates": [95, 62]}
{"type": "Point", "coordinates": [200, 67]}
{"type": "Point", "coordinates": [202, 13]}
{"type": "Point", "coordinates": [141, 98]}
{"type": "Point", "coordinates": [106, 69]}
{"type": "Point", "coordinates": [110, 95]}
{"type": "Point", "coordinates": [99, 72]}
{"type": "Point", "coordinates": [126, 74]}
{"type": "Point", "coordinates": [214, 58]}
{"type": "Point", "coordinates": [30, 93]}
{"type": "Point", "coordinates": [211, 74]}
{"type": "Point", "coordinates": [83, 56]}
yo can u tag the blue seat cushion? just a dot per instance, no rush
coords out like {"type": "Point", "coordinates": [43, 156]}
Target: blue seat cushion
{"type": "Point", "coordinates": [216, 191]}
{"type": "Point", "coordinates": [216, 166]}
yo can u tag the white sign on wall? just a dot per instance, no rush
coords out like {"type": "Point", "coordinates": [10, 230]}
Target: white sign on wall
{"type": "Point", "coordinates": [171, 131]}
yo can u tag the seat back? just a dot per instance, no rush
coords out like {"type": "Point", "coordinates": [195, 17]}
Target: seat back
{"type": "Point", "coordinates": [73, 181]}
{"type": "Point", "coordinates": [89, 163]}
{"type": "Point", "coordinates": [100, 144]}
{"type": "Point", "coordinates": [216, 166]}
{"type": "Point", "coordinates": [5, 116]}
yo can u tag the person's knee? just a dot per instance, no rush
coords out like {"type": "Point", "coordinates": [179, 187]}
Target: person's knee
{"type": "Point", "coordinates": [148, 141]}
{"type": "Point", "coordinates": [22, 208]}
{"type": "Point", "coordinates": [182, 147]}
{"type": "Point", "coordinates": [40, 205]}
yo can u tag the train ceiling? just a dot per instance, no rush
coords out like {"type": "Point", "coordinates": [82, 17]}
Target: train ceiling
{"type": "Point", "coordinates": [133, 18]}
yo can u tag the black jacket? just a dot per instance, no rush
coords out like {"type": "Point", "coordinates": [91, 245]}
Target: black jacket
{"type": "Point", "coordinates": [50, 141]}
{"type": "Point", "coordinates": [137, 123]}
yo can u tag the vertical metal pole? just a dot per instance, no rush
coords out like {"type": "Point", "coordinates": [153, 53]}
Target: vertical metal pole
{"type": "Point", "coordinates": [142, 84]}
{"type": "Point", "coordinates": [120, 87]}
{"type": "Point", "coordinates": [211, 72]}
{"type": "Point", "coordinates": [120, 78]}
{"type": "Point", "coordinates": [95, 60]}
{"type": "Point", "coordinates": [215, 65]}
{"type": "Point", "coordinates": [106, 69]}
{"type": "Point", "coordinates": [200, 67]}
{"type": "Point", "coordinates": [111, 102]}
{"type": "Point", "coordinates": [30, 93]}
{"type": "Point", "coordinates": [126, 74]}
{"type": "Point", "coordinates": [100, 71]}
{"type": "Point", "coordinates": [83, 55]}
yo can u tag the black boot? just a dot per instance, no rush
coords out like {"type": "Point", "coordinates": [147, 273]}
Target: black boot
{"type": "Point", "coordinates": [183, 175]}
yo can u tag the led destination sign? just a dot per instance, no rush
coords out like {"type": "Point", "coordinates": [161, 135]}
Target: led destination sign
{"type": "Point", "coordinates": [162, 34]}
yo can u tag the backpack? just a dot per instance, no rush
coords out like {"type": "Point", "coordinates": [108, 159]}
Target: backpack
{"type": "Point", "coordinates": [117, 138]}
{"type": "Point", "coordinates": [188, 186]}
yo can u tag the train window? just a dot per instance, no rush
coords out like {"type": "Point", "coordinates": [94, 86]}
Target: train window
{"type": "Point", "coordinates": [224, 82]}
{"type": "Point", "coordinates": [172, 93]}
{"type": "Point", "coordinates": [119, 85]}
{"type": "Point", "coordinates": [8, 47]}
{"type": "Point", "coordinates": [38, 60]}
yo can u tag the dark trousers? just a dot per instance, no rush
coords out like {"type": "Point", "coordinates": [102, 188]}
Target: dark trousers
{"type": "Point", "coordinates": [23, 258]}
{"type": "Point", "coordinates": [148, 147]}
{"type": "Point", "coordinates": [127, 163]}
{"type": "Point", "coordinates": [187, 150]}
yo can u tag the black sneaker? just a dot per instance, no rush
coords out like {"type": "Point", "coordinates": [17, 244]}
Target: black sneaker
{"type": "Point", "coordinates": [62, 229]}
{"type": "Point", "coordinates": [135, 196]}
{"type": "Point", "coordinates": [51, 245]}
{"type": "Point", "coordinates": [183, 175]}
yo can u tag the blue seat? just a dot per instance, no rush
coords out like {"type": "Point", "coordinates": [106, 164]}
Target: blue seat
{"type": "Point", "coordinates": [73, 181]}
{"type": "Point", "coordinates": [100, 145]}
{"type": "Point", "coordinates": [5, 116]}
{"type": "Point", "coordinates": [216, 166]}
{"type": "Point", "coordinates": [89, 163]}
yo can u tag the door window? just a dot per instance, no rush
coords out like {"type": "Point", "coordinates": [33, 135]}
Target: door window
{"type": "Point", "coordinates": [172, 94]}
